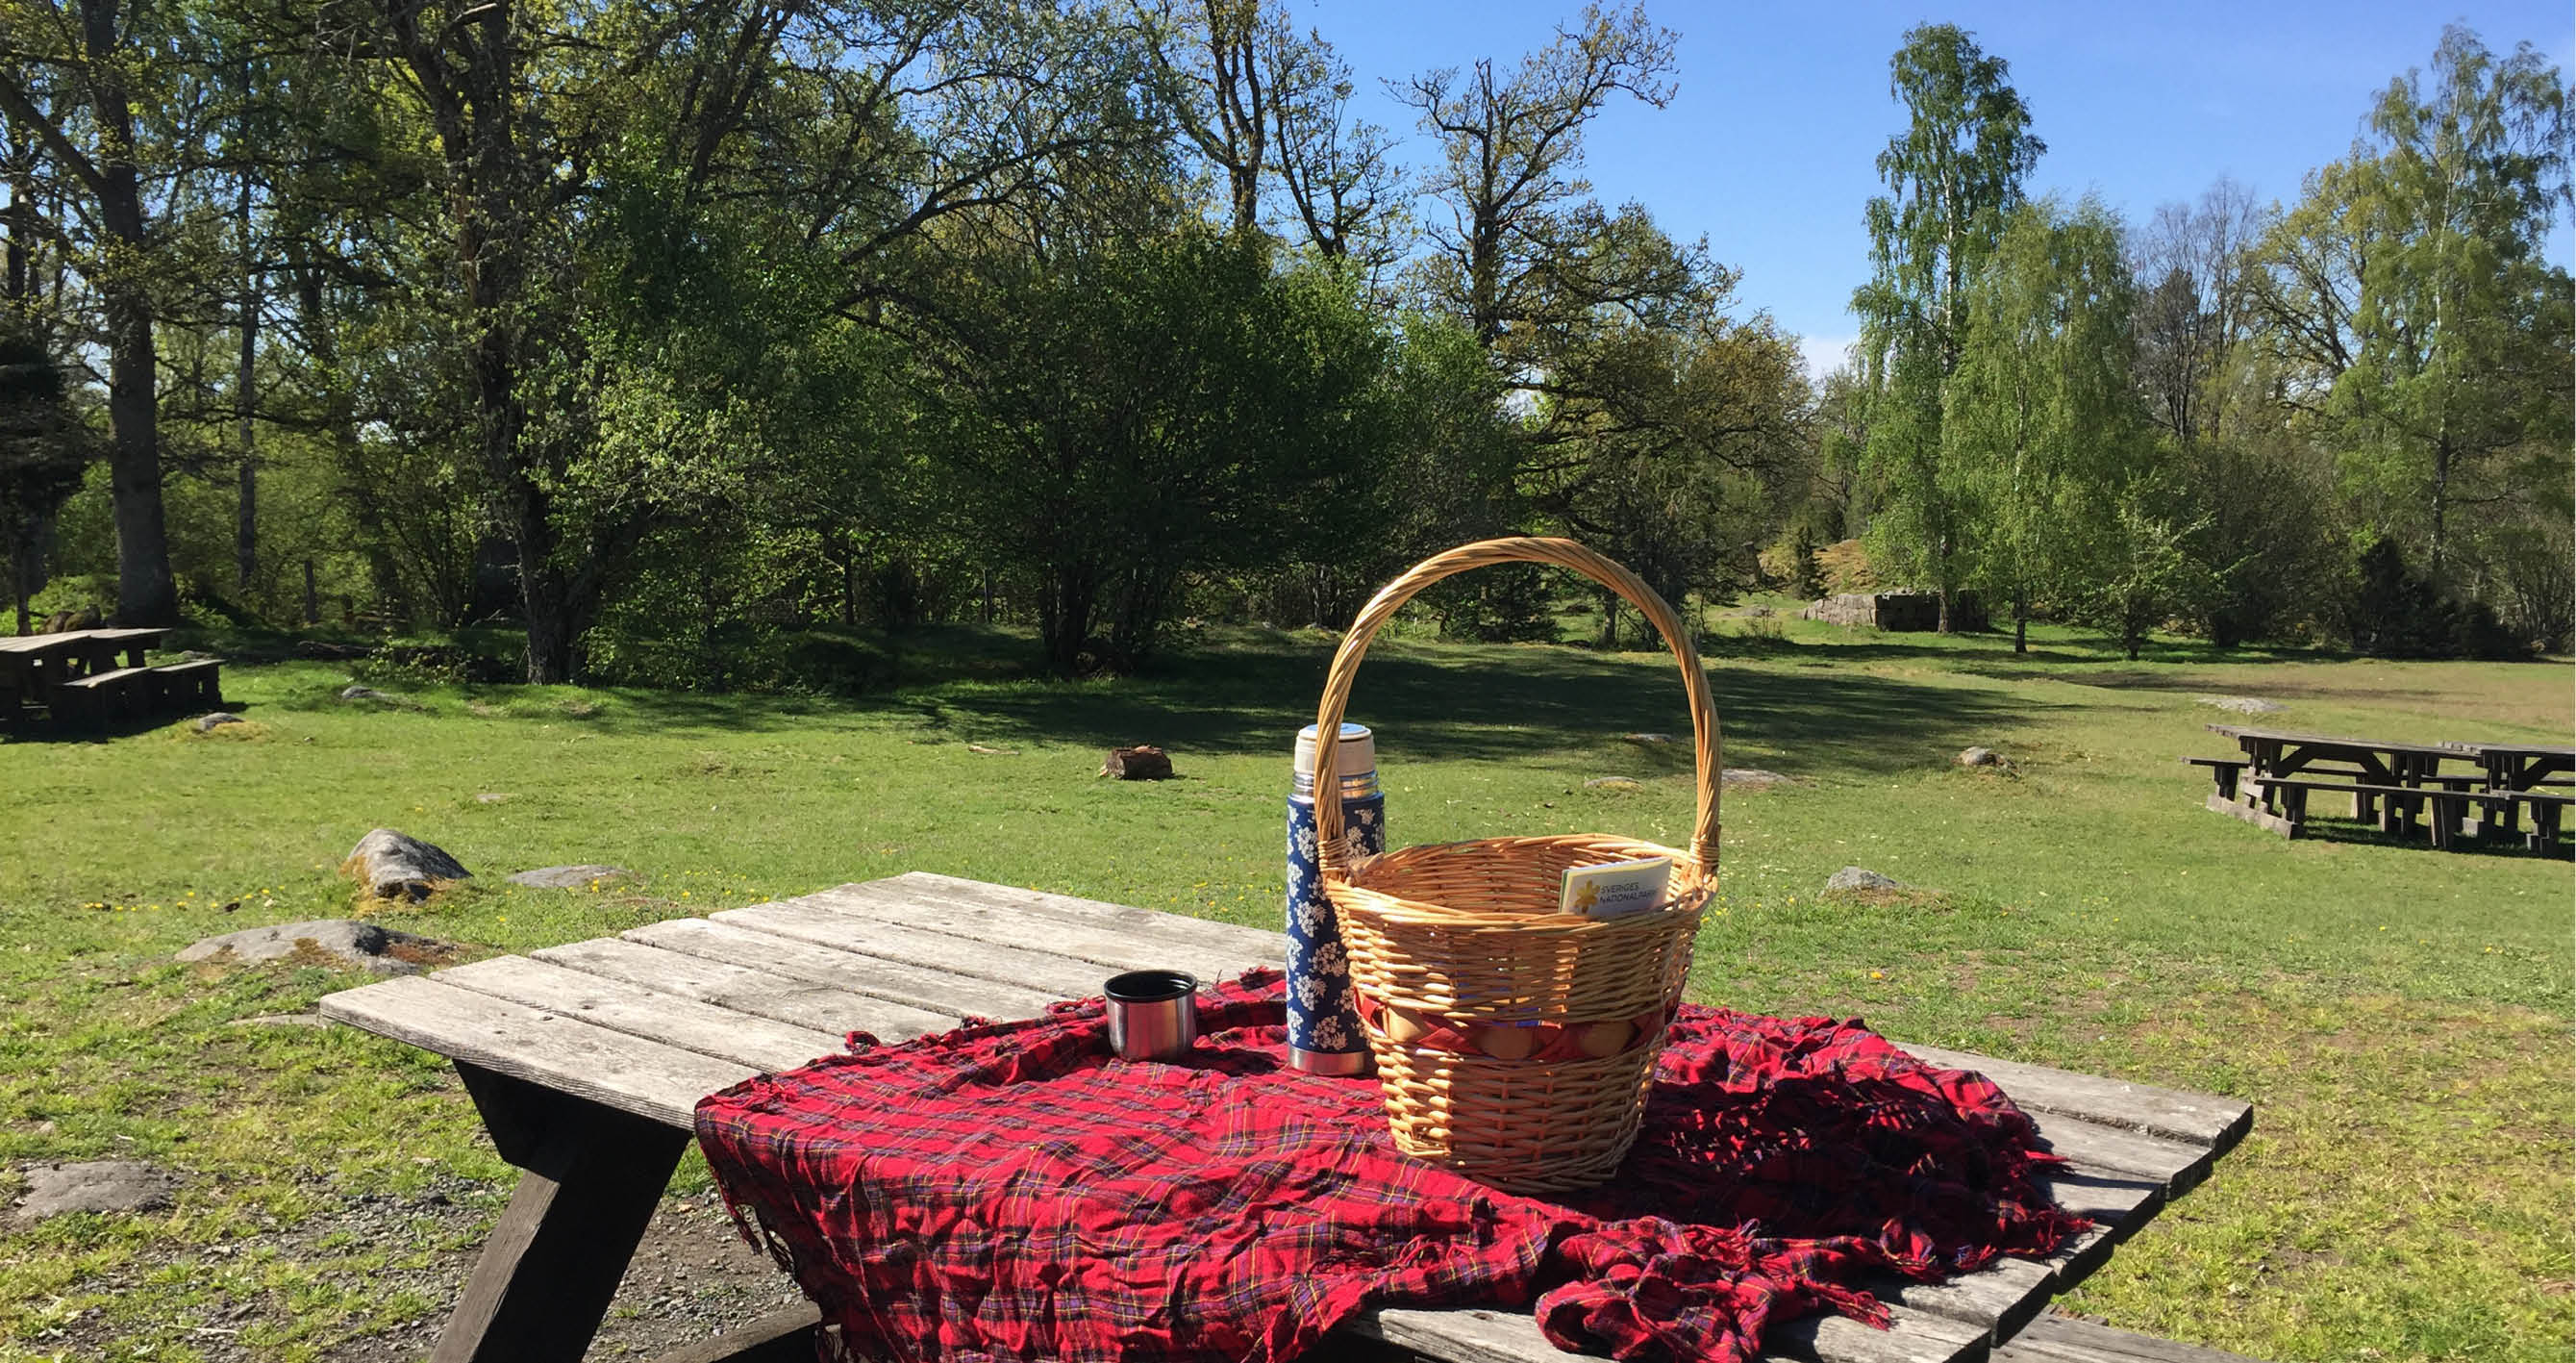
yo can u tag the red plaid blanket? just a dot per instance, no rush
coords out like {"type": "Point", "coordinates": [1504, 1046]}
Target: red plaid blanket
{"type": "Point", "coordinates": [1011, 1192]}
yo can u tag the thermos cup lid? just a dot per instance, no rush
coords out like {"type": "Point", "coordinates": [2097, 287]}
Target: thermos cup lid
{"type": "Point", "coordinates": [1358, 754]}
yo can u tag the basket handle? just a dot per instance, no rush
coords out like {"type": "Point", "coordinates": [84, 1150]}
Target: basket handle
{"type": "Point", "coordinates": [1564, 553]}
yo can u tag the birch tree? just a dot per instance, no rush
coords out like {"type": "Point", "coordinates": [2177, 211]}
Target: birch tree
{"type": "Point", "coordinates": [1954, 176]}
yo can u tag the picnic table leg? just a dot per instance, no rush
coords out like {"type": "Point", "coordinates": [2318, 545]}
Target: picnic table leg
{"type": "Point", "coordinates": [593, 1176]}
{"type": "Point", "coordinates": [2445, 811]}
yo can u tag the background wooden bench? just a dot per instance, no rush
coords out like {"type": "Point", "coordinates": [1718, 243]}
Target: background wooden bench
{"type": "Point", "coordinates": [103, 696]}
{"type": "Point", "coordinates": [196, 682]}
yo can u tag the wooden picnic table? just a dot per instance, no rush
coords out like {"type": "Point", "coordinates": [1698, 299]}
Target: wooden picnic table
{"type": "Point", "coordinates": [2519, 767]}
{"type": "Point", "coordinates": [587, 1061]}
{"type": "Point", "coordinates": [2275, 754]}
{"type": "Point", "coordinates": [44, 661]}
{"type": "Point", "coordinates": [2384, 776]}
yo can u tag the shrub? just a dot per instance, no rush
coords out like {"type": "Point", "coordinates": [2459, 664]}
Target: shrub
{"type": "Point", "coordinates": [2395, 612]}
{"type": "Point", "coordinates": [1845, 567]}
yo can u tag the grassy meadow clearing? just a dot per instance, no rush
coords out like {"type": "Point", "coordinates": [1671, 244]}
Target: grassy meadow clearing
{"type": "Point", "coordinates": [2399, 1017]}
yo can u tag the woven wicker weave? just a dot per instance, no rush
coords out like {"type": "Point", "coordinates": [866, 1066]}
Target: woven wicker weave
{"type": "Point", "coordinates": [1467, 934]}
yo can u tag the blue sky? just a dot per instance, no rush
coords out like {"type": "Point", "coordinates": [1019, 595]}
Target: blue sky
{"type": "Point", "coordinates": [1768, 148]}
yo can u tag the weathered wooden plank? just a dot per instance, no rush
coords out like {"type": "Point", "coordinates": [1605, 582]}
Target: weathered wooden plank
{"type": "Point", "coordinates": [2178, 1165]}
{"type": "Point", "coordinates": [646, 1012]}
{"type": "Point", "coordinates": [1062, 976]}
{"type": "Point", "coordinates": [1997, 1299]}
{"type": "Point", "coordinates": [2254, 814]}
{"type": "Point", "coordinates": [628, 1073]}
{"type": "Point", "coordinates": [1911, 1337]}
{"type": "Point", "coordinates": [1112, 946]}
{"type": "Point", "coordinates": [2061, 1339]}
{"type": "Point", "coordinates": [937, 991]}
{"type": "Point", "coordinates": [2118, 1206]}
{"type": "Point", "coordinates": [2197, 1118]}
{"type": "Point", "coordinates": [1512, 1336]}
{"type": "Point", "coordinates": [743, 989]}
{"type": "Point", "coordinates": [1266, 945]}
{"type": "Point", "coordinates": [1472, 1333]}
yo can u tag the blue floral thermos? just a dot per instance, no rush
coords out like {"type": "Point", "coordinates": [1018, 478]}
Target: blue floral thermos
{"type": "Point", "coordinates": [1323, 1027]}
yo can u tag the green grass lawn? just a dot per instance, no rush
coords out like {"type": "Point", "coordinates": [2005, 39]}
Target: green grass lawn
{"type": "Point", "coordinates": [2399, 1017]}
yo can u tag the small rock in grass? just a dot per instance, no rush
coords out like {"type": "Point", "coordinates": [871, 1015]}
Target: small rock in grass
{"type": "Point", "coordinates": [1750, 776]}
{"type": "Point", "coordinates": [573, 877]}
{"type": "Point", "coordinates": [1612, 783]}
{"type": "Point", "coordinates": [1648, 738]}
{"type": "Point", "coordinates": [391, 863]}
{"type": "Point", "coordinates": [490, 797]}
{"type": "Point", "coordinates": [1856, 879]}
{"type": "Point", "coordinates": [2243, 705]}
{"type": "Point", "coordinates": [217, 719]}
{"type": "Point", "coordinates": [337, 941]}
{"type": "Point", "coordinates": [1980, 757]}
{"type": "Point", "coordinates": [356, 692]}
{"type": "Point", "coordinates": [112, 1185]}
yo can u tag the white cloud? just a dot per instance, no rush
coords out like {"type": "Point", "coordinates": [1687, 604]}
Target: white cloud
{"type": "Point", "coordinates": [1825, 354]}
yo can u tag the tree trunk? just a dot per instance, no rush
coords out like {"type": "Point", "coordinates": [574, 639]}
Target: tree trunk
{"type": "Point", "coordinates": [246, 517]}
{"type": "Point", "coordinates": [2441, 503]}
{"type": "Point", "coordinates": [1944, 625]}
{"type": "Point", "coordinates": [312, 603]}
{"type": "Point", "coordinates": [18, 556]}
{"type": "Point", "coordinates": [1064, 618]}
{"type": "Point", "coordinates": [2021, 622]}
{"type": "Point", "coordinates": [145, 593]}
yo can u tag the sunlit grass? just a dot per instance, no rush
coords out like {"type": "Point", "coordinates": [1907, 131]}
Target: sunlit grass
{"type": "Point", "coordinates": [2398, 1016]}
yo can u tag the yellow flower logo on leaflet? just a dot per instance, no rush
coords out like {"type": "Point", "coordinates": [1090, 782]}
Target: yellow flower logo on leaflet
{"type": "Point", "coordinates": [1588, 896]}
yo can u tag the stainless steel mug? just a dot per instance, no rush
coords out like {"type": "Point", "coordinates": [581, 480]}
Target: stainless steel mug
{"type": "Point", "coordinates": [1153, 1014]}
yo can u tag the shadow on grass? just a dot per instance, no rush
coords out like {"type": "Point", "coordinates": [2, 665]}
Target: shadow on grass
{"type": "Point", "coordinates": [1490, 702]}
{"type": "Point", "coordinates": [2508, 847]}
{"type": "Point", "coordinates": [1247, 691]}
{"type": "Point", "coordinates": [105, 730]}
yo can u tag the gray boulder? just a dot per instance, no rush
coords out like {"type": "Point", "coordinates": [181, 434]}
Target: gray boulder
{"type": "Point", "coordinates": [355, 692]}
{"type": "Point", "coordinates": [1855, 879]}
{"type": "Point", "coordinates": [112, 1185]}
{"type": "Point", "coordinates": [216, 720]}
{"type": "Point", "coordinates": [343, 940]}
{"type": "Point", "coordinates": [573, 877]}
{"type": "Point", "coordinates": [391, 863]}
{"type": "Point", "coordinates": [1754, 777]}
{"type": "Point", "coordinates": [1980, 757]}
{"type": "Point", "coordinates": [1647, 738]}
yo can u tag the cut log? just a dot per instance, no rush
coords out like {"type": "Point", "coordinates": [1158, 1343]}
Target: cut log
{"type": "Point", "coordinates": [1144, 763]}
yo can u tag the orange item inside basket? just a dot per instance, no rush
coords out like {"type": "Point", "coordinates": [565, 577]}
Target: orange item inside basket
{"type": "Point", "coordinates": [1556, 1040]}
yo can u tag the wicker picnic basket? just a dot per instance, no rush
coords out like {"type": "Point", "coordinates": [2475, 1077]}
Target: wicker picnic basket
{"type": "Point", "coordinates": [1450, 940]}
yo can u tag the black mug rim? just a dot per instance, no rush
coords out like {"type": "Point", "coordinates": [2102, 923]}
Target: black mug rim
{"type": "Point", "coordinates": [1149, 986]}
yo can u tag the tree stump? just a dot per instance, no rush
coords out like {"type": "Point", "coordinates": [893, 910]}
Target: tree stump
{"type": "Point", "coordinates": [1141, 763]}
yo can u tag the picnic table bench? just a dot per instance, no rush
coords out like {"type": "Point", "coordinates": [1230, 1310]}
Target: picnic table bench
{"type": "Point", "coordinates": [2391, 783]}
{"type": "Point", "coordinates": [75, 676]}
{"type": "Point", "coordinates": [587, 1061]}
